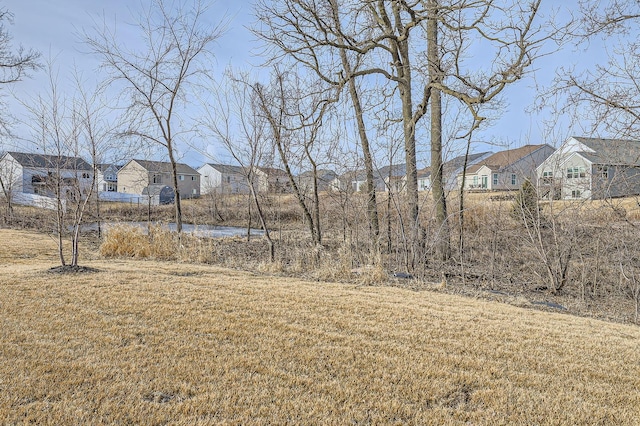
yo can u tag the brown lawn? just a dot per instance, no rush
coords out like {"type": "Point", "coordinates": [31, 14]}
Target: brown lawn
{"type": "Point", "coordinates": [143, 342]}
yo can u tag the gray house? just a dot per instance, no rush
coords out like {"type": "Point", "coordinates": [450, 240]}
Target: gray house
{"type": "Point", "coordinates": [107, 177]}
{"type": "Point", "coordinates": [591, 168]}
{"type": "Point", "coordinates": [41, 174]}
{"type": "Point", "coordinates": [325, 177]}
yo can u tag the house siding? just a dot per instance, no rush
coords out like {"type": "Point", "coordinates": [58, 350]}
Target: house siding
{"type": "Point", "coordinates": [133, 178]}
{"type": "Point", "coordinates": [576, 186]}
{"type": "Point", "coordinates": [214, 180]}
{"type": "Point", "coordinates": [22, 177]}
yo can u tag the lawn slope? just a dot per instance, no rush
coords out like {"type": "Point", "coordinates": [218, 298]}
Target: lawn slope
{"type": "Point", "coordinates": [143, 342]}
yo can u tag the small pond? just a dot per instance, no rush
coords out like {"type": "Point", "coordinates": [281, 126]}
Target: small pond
{"type": "Point", "coordinates": [209, 231]}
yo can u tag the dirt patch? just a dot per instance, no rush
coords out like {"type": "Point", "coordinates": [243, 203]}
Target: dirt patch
{"type": "Point", "coordinates": [72, 269]}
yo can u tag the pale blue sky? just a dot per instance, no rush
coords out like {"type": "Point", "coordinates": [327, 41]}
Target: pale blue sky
{"type": "Point", "coordinates": [52, 26]}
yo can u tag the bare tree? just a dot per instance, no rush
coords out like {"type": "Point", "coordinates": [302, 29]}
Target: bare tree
{"type": "Point", "coordinates": [295, 114]}
{"type": "Point", "coordinates": [608, 91]}
{"type": "Point", "coordinates": [233, 117]}
{"type": "Point", "coordinates": [387, 39]}
{"type": "Point", "coordinates": [60, 130]}
{"type": "Point", "coordinates": [156, 80]}
{"type": "Point", "coordinates": [15, 64]}
{"type": "Point", "coordinates": [9, 181]}
{"type": "Point", "coordinates": [300, 29]}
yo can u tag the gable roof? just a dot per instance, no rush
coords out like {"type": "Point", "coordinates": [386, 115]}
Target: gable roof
{"type": "Point", "coordinates": [611, 151]}
{"type": "Point", "coordinates": [103, 167]}
{"type": "Point", "coordinates": [272, 171]}
{"type": "Point", "coordinates": [454, 164]}
{"type": "Point", "coordinates": [165, 167]}
{"type": "Point", "coordinates": [395, 170]}
{"type": "Point", "coordinates": [41, 161]}
{"type": "Point", "coordinates": [505, 158]}
{"type": "Point", "coordinates": [323, 174]}
{"type": "Point", "coordinates": [227, 168]}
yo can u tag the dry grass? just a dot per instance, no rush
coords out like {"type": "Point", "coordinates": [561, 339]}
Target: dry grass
{"type": "Point", "coordinates": [145, 342]}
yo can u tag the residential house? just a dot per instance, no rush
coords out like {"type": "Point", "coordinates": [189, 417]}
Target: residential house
{"type": "Point", "coordinates": [270, 179]}
{"type": "Point", "coordinates": [384, 179]}
{"type": "Point", "coordinates": [506, 170]}
{"type": "Point", "coordinates": [107, 177]}
{"type": "Point", "coordinates": [223, 179]}
{"type": "Point", "coordinates": [348, 182]}
{"type": "Point", "coordinates": [325, 177]}
{"type": "Point", "coordinates": [41, 174]}
{"type": "Point", "coordinates": [591, 168]}
{"type": "Point", "coordinates": [450, 171]}
{"type": "Point", "coordinates": [391, 178]}
{"type": "Point", "coordinates": [136, 175]}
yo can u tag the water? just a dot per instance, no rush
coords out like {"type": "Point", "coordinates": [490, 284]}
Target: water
{"type": "Point", "coordinates": [208, 231]}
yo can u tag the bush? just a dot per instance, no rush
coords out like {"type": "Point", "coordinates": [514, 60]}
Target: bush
{"type": "Point", "coordinates": [525, 205]}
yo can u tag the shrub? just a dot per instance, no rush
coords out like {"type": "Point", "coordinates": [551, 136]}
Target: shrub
{"type": "Point", "coordinates": [525, 205]}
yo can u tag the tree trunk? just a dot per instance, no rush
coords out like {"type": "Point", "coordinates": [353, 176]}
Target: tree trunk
{"type": "Point", "coordinates": [178, 205]}
{"type": "Point", "coordinates": [443, 243]}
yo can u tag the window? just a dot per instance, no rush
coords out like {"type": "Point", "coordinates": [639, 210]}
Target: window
{"type": "Point", "coordinates": [193, 191]}
{"type": "Point", "coordinates": [576, 172]}
{"type": "Point", "coordinates": [514, 179]}
{"type": "Point", "coordinates": [603, 171]}
{"type": "Point", "coordinates": [85, 176]}
{"type": "Point", "coordinates": [576, 193]}
{"type": "Point", "coordinates": [193, 178]}
{"type": "Point", "coordinates": [475, 181]}
{"type": "Point", "coordinates": [180, 177]}
{"type": "Point", "coordinates": [228, 179]}
{"type": "Point", "coordinates": [157, 179]}
{"type": "Point", "coordinates": [547, 174]}
{"type": "Point", "coordinates": [484, 181]}
{"type": "Point", "coordinates": [495, 178]}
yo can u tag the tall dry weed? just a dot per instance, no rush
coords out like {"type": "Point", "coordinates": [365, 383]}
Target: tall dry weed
{"type": "Point", "coordinates": [125, 241]}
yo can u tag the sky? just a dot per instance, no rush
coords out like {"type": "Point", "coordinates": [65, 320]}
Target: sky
{"type": "Point", "coordinates": [52, 27]}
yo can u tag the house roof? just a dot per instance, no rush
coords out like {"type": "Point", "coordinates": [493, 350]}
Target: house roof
{"type": "Point", "coordinates": [165, 167]}
{"type": "Point", "coordinates": [227, 169]}
{"type": "Point", "coordinates": [272, 171]}
{"type": "Point", "coordinates": [611, 151]}
{"type": "Point", "coordinates": [395, 170]}
{"type": "Point", "coordinates": [41, 161]}
{"type": "Point", "coordinates": [454, 164]}
{"type": "Point", "coordinates": [323, 175]}
{"type": "Point", "coordinates": [505, 158]}
{"type": "Point", "coordinates": [103, 167]}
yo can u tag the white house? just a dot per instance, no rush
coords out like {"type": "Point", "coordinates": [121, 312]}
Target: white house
{"type": "Point", "coordinates": [324, 179]}
{"type": "Point", "coordinates": [591, 168]}
{"type": "Point", "coordinates": [41, 174]}
{"type": "Point", "coordinates": [506, 170]}
{"type": "Point", "coordinates": [450, 171]}
{"type": "Point", "coordinates": [222, 179]}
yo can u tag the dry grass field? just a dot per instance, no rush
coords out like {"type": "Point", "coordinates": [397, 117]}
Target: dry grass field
{"type": "Point", "coordinates": [145, 342]}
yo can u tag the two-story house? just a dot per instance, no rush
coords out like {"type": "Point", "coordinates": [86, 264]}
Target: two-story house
{"type": "Point", "coordinates": [591, 168]}
{"type": "Point", "coordinates": [135, 176]}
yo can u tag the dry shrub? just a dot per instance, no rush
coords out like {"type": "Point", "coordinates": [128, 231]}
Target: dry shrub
{"type": "Point", "coordinates": [125, 241]}
{"type": "Point", "coordinates": [157, 243]}
{"type": "Point", "coordinates": [196, 249]}
{"type": "Point", "coordinates": [372, 275]}
{"type": "Point", "coordinates": [271, 267]}
{"type": "Point", "coordinates": [335, 266]}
